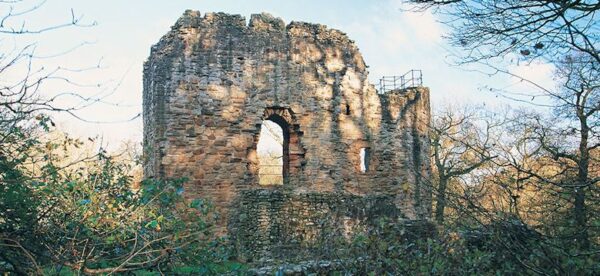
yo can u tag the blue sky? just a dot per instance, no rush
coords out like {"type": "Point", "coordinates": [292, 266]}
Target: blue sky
{"type": "Point", "coordinates": [391, 41]}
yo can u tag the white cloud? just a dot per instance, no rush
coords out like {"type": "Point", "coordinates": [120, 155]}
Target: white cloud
{"type": "Point", "coordinates": [391, 40]}
{"type": "Point", "coordinates": [539, 73]}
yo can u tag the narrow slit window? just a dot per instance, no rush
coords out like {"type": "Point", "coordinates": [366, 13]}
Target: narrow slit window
{"type": "Point", "coordinates": [347, 109]}
{"type": "Point", "coordinates": [364, 159]}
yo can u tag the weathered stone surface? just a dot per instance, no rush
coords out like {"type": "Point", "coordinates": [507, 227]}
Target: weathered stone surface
{"type": "Point", "coordinates": [270, 223]}
{"type": "Point", "coordinates": [211, 81]}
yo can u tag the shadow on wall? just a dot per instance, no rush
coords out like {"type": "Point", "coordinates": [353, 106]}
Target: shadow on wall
{"type": "Point", "coordinates": [213, 83]}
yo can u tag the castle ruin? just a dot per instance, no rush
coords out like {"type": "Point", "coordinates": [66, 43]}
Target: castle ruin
{"type": "Point", "coordinates": [350, 154]}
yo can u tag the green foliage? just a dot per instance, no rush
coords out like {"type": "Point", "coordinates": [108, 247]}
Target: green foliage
{"type": "Point", "coordinates": [60, 214]}
{"type": "Point", "coordinates": [501, 247]}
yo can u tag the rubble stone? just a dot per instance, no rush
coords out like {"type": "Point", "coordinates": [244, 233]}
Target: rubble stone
{"type": "Point", "coordinates": [211, 81]}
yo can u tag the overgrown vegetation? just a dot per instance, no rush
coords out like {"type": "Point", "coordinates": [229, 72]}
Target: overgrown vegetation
{"type": "Point", "coordinates": [516, 192]}
{"type": "Point", "coordinates": [69, 206]}
{"type": "Point", "coordinates": [88, 217]}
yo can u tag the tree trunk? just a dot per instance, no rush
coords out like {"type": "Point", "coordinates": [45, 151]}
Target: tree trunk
{"type": "Point", "coordinates": [579, 209]}
{"type": "Point", "coordinates": [441, 200]}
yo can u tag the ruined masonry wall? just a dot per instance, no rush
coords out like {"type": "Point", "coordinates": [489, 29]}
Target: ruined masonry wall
{"type": "Point", "coordinates": [212, 79]}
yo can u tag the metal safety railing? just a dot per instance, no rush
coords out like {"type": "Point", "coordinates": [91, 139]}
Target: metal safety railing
{"type": "Point", "coordinates": [412, 78]}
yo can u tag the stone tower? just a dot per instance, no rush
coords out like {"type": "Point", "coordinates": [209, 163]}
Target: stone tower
{"type": "Point", "coordinates": [212, 80]}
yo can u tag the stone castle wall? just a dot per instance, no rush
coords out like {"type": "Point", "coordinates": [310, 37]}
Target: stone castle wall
{"type": "Point", "coordinates": [211, 81]}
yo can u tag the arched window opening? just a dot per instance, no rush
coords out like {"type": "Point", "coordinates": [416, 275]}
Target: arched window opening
{"type": "Point", "coordinates": [365, 155]}
{"type": "Point", "coordinates": [272, 151]}
{"type": "Point", "coordinates": [347, 109]}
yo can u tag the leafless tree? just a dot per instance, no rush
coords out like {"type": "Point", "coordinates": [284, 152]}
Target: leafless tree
{"type": "Point", "coordinates": [566, 143]}
{"type": "Point", "coordinates": [23, 77]}
{"type": "Point", "coordinates": [490, 29]}
{"type": "Point", "coordinates": [462, 141]}
{"type": "Point", "coordinates": [561, 33]}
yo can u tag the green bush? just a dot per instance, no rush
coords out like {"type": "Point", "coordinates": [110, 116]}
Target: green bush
{"type": "Point", "coordinates": [58, 216]}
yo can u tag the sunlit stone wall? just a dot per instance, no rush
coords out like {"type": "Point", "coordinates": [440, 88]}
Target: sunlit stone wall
{"type": "Point", "coordinates": [211, 81]}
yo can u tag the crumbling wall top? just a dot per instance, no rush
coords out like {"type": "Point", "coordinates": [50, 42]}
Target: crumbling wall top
{"type": "Point", "coordinates": [212, 83]}
{"type": "Point", "coordinates": [263, 22]}
{"type": "Point", "coordinates": [266, 22]}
